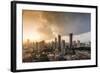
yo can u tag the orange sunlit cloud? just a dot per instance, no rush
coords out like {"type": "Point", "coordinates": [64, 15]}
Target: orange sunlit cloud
{"type": "Point", "coordinates": [35, 26]}
{"type": "Point", "coordinates": [46, 25]}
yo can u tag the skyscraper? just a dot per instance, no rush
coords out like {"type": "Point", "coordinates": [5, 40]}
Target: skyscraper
{"type": "Point", "coordinates": [74, 44]}
{"type": "Point", "coordinates": [70, 39]}
{"type": "Point", "coordinates": [37, 46]}
{"type": "Point", "coordinates": [63, 44]}
{"type": "Point", "coordinates": [59, 42]}
{"type": "Point", "coordinates": [55, 43]}
{"type": "Point", "coordinates": [78, 44]}
{"type": "Point", "coordinates": [63, 47]}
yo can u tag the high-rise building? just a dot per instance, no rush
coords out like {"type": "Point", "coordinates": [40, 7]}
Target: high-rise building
{"type": "Point", "coordinates": [42, 45]}
{"type": "Point", "coordinates": [78, 44]}
{"type": "Point", "coordinates": [37, 46]}
{"type": "Point", "coordinates": [74, 44]}
{"type": "Point", "coordinates": [59, 42]}
{"type": "Point", "coordinates": [55, 43]}
{"type": "Point", "coordinates": [70, 39]}
{"type": "Point", "coordinates": [28, 43]}
{"type": "Point", "coordinates": [63, 46]}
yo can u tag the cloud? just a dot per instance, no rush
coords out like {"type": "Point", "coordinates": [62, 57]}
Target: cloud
{"type": "Point", "coordinates": [50, 24]}
{"type": "Point", "coordinates": [65, 23]}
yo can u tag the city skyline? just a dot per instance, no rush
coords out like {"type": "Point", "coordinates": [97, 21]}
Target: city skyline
{"type": "Point", "coordinates": [57, 50]}
{"type": "Point", "coordinates": [87, 38]}
{"type": "Point", "coordinates": [43, 25]}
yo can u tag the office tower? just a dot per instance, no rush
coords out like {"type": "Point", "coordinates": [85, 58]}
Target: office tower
{"type": "Point", "coordinates": [59, 42]}
{"type": "Point", "coordinates": [89, 44]}
{"type": "Point", "coordinates": [42, 45]}
{"type": "Point", "coordinates": [63, 47]}
{"type": "Point", "coordinates": [74, 44]}
{"type": "Point", "coordinates": [37, 46]}
{"type": "Point", "coordinates": [70, 39]}
{"type": "Point", "coordinates": [78, 44]}
{"type": "Point", "coordinates": [63, 44]}
{"type": "Point", "coordinates": [55, 43]}
{"type": "Point", "coordinates": [28, 43]}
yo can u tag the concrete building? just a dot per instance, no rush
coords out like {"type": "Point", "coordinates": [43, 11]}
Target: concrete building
{"type": "Point", "coordinates": [55, 43]}
{"type": "Point", "coordinates": [70, 39]}
{"type": "Point", "coordinates": [74, 44]}
{"type": "Point", "coordinates": [63, 46]}
{"type": "Point", "coordinates": [78, 44]}
{"type": "Point", "coordinates": [59, 42]}
{"type": "Point", "coordinates": [37, 46]}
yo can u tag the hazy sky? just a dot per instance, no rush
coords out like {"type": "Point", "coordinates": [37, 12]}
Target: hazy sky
{"type": "Point", "coordinates": [42, 25]}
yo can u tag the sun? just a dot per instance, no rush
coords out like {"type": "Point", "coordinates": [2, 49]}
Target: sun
{"type": "Point", "coordinates": [33, 36]}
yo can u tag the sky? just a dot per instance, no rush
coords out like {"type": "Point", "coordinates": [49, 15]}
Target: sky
{"type": "Point", "coordinates": [46, 25]}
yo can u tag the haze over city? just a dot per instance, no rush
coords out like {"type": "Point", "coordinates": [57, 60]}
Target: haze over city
{"type": "Point", "coordinates": [46, 25]}
{"type": "Point", "coordinates": [56, 36]}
